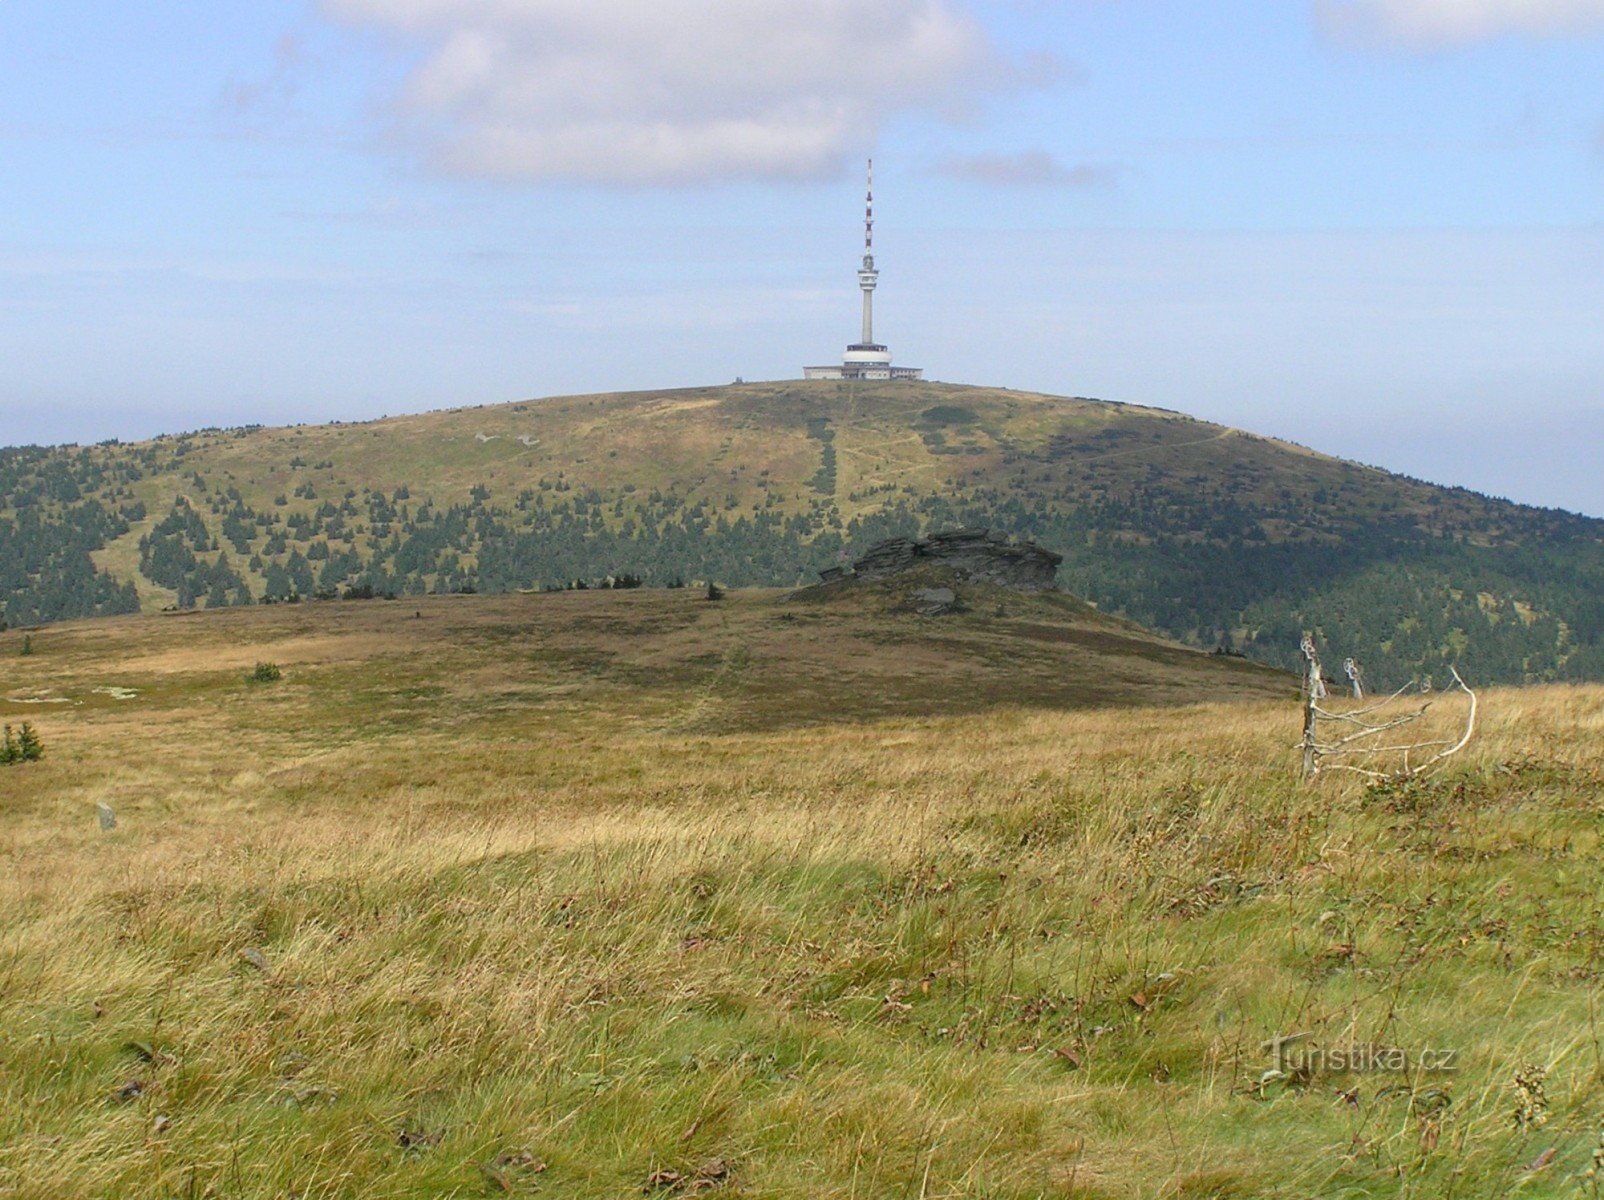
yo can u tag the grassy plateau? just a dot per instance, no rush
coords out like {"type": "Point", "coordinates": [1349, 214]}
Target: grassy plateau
{"type": "Point", "coordinates": [598, 894]}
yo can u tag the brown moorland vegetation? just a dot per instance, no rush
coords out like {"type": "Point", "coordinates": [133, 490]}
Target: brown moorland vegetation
{"type": "Point", "coordinates": [598, 894]}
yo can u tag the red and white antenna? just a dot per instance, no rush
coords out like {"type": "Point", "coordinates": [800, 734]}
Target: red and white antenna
{"type": "Point", "coordinates": [868, 213]}
{"type": "Point", "coordinates": [867, 275]}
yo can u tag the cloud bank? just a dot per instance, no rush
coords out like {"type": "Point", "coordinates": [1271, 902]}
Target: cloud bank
{"type": "Point", "coordinates": [645, 92]}
{"type": "Point", "coordinates": [1029, 169]}
{"type": "Point", "coordinates": [1429, 24]}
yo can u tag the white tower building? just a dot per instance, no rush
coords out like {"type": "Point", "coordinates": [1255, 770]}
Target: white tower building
{"type": "Point", "coordinates": [866, 359]}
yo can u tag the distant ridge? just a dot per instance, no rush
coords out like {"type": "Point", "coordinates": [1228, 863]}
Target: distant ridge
{"type": "Point", "coordinates": [1214, 536]}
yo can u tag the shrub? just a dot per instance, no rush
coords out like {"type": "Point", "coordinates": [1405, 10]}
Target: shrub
{"type": "Point", "coordinates": [265, 672]}
{"type": "Point", "coordinates": [20, 746]}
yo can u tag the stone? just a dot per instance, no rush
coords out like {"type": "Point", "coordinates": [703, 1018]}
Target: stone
{"type": "Point", "coordinates": [933, 602]}
{"type": "Point", "coordinates": [108, 818]}
{"type": "Point", "coordinates": [887, 558]}
{"type": "Point", "coordinates": [975, 555]}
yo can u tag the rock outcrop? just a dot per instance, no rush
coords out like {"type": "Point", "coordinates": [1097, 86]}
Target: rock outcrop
{"type": "Point", "coordinates": [975, 555]}
{"type": "Point", "coordinates": [933, 602]}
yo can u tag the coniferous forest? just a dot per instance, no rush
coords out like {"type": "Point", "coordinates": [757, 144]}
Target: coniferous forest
{"type": "Point", "coordinates": [1219, 539]}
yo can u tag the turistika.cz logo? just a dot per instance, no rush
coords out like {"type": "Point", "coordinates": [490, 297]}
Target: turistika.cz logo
{"type": "Point", "coordinates": [1291, 1058]}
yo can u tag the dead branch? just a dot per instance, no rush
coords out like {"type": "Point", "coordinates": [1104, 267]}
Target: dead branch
{"type": "Point", "coordinates": [1357, 743]}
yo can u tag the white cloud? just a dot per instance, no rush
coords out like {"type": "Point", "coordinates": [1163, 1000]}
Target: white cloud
{"type": "Point", "coordinates": [1030, 168]}
{"type": "Point", "coordinates": [1432, 23]}
{"type": "Point", "coordinates": [675, 91]}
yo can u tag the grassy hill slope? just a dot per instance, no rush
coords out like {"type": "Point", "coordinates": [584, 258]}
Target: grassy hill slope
{"type": "Point", "coordinates": [1209, 534]}
{"type": "Point", "coordinates": [673, 659]}
{"type": "Point", "coordinates": [551, 895]}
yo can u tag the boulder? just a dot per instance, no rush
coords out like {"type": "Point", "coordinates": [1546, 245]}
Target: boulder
{"type": "Point", "coordinates": [887, 558]}
{"type": "Point", "coordinates": [933, 602]}
{"type": "Point", "coordinates": [976, 555]}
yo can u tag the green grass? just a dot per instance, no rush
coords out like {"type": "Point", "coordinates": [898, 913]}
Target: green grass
{"type": "Point", "coordinates": [543, 895]}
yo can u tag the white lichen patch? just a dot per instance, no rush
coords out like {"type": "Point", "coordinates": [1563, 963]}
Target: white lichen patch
{"type": "Point", "coordinates": [116, 693]}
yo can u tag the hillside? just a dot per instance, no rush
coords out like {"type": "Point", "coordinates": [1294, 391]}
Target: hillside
{"type": "Point", "coordinates": [599, 894]}
{"type": "Point", "coordinates": [674, 659]}
{"type": "Point", "coordinates": [1208, 534]}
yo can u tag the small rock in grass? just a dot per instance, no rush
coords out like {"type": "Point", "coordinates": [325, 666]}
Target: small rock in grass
{"type": "Point", "coordinates": [933, 602]}
{"type": "Point", "coordinates": [255, 958]}
{"type": "Point", "coordinates": [108, 818]}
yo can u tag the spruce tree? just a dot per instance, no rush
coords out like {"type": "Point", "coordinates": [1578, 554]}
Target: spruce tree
{"type": "Point", "coordinates": [29, 747]}
{"type": "Point", "coordinates": [8, 748]}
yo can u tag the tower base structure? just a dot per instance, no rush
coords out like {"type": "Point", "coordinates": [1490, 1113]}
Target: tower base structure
{"type": "Point", "coordinates": [864, 360]}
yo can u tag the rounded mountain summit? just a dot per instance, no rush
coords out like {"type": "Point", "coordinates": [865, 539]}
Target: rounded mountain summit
{"type": "Point", "coordinates": [1214, 536]}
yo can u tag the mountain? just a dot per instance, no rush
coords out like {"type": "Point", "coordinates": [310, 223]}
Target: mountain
{"type": "Point", "coordinates": [1209, 534]}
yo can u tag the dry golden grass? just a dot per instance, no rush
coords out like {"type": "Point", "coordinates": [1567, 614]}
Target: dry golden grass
{"type": "Point", "coordinates": [461, 908]}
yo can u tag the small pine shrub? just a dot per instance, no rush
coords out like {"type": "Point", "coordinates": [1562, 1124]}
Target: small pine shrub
{"type": "Point", "coordinates": [29, 747]}
{"type": "Point", "coordinates": [714, 592]}
{"type": "Point", "coordinates": [27, 644]}
{"type": "Point", "coordinates": [265, 672]}
{"type": "Point", "coordinates": [20, 746]}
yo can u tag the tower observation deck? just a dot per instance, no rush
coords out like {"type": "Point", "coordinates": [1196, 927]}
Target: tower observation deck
{"type": "Point", "coordinates": [866, 358]}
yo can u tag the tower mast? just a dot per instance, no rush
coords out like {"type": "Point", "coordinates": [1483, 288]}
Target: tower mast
{"type": "Point", "coordinates": [867, 275]}
{"type": "Point", "coordinates": [866, 359]}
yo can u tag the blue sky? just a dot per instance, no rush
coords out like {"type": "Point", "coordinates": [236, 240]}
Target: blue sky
{"type": "Point", "coordinates": [1369, 226]}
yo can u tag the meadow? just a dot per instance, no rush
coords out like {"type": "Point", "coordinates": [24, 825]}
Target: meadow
{"type": "Point", "coordinates": [608, 894]}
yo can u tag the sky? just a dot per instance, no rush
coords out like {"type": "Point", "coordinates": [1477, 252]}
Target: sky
{"type": "Point", "coordinates": [1373, 227]}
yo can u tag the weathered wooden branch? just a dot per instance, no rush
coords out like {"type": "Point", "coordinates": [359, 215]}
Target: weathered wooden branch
{"type": "Point", "coordinates": [1361, 741]}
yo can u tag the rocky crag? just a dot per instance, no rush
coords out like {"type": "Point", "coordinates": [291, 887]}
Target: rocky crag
{"type": "Point", "coordinates": [972, 555]}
